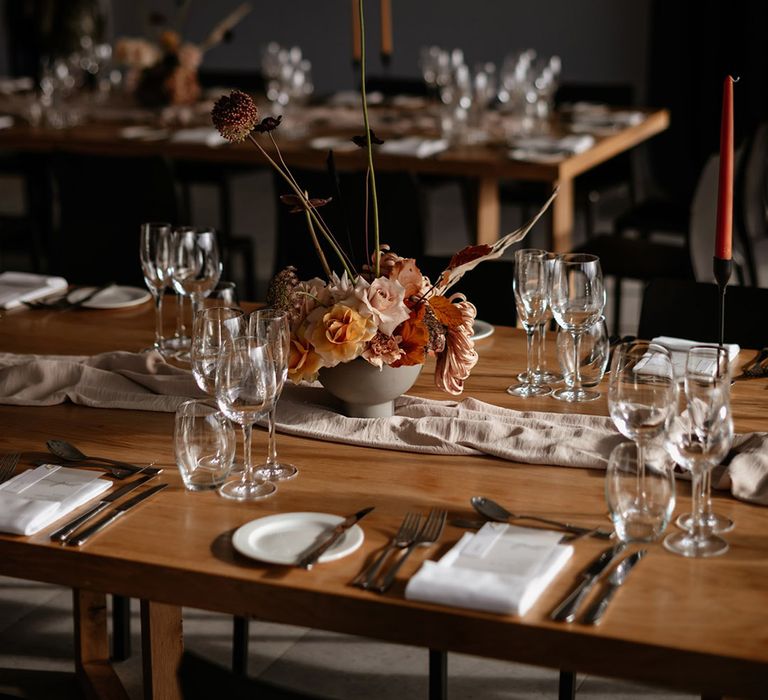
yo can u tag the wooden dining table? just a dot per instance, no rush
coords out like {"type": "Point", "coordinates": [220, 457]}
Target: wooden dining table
{"type": "Point", "coordinates": [484, 165]}
{"type": "Point", "coordinates": [695, 624]}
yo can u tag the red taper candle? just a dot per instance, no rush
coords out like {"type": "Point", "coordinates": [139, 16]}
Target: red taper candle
{"type": "Point", "coordinates": [724, 237]}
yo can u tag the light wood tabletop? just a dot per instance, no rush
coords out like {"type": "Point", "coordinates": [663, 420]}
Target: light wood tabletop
{"type": "Point", "coordinates": [700, 625]}
{"type": "Point", "coordinates": [483, 165]}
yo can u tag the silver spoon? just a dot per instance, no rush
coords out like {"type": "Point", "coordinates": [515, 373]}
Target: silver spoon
{"type": "Point", "coordinates": [493, 511]}
{"type": "Point", "coordinates": [67, 451]}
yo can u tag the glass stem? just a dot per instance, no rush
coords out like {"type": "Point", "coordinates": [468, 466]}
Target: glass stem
{"type": "Point", "coordinates": [272, 453]}
{"type": "Point", "coordinates": [536, 378]}
{"type": "Point", "coordinates": [529, 331]}
{"type": "Point", "coordinates": [697, 530]}
{"type": "Point", "coordinates": [543, 347]}
{"type": "Point", "coordinates": [181, 330]}
{"type": "Point", "coordinates": [706, 495]}
{"type": "Point", "coordinates": [159, 320]}
{"type": "Point", "coordinates": [641, 470]}
{"type": "Point", "coordinates": [247, 478]}
{"type": "Point", "coordinates": [577, 366]}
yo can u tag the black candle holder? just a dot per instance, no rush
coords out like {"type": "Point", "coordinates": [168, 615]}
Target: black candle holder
{"type": "Point", "coordinates": [722, 270]}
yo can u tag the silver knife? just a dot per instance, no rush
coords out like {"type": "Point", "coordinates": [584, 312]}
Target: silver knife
{"type": "Point", "coordinates": [568, 607]}
{"type": "Point", "coordinates": [615, 581]}
{"type": "Point", "coordinates": [311, 557]}
{"type": "Point", "coordinates": [69, 527]}
{"type": "Point", "coordinates": [81, 537]}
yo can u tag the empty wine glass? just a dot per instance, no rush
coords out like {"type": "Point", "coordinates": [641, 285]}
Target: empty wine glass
{"type": "Point", "coordinates": [642, 393]}
{"type": "Point", "coordinates": [155, 258]}
{"type": "Point", "coordinates": [271, 327]}
{"type": "Point", "coordinates": [245, 393]}
{"type": "Point", "coordinates": [698, 439]}
{"type": "Point", "coordinates": [195, 264]}
{"type": "Point", "coordinates": [708, 386]}
{"type": "Point", "coordinates": [180, 341]}
{"type": "Point", "coordinates": [577, 297]}
{"type": "Point", "coordinates": [211, 327]}
{"type": "Point", "coordinates": [530, 288]}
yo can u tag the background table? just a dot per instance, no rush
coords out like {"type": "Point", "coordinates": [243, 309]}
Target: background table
{"type": "Point", "coordinates": [693, 624]}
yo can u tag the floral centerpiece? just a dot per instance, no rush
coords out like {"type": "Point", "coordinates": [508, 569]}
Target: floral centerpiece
{"type": "Point", "coordinates": [387, 312]}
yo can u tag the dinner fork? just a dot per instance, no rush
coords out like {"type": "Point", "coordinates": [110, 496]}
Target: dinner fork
{"type": "Point", "coordinates": [8, 464]}
{"type": "Point", "coordinates": [405, 535]}
{"type": "Point", "coordinates": [429, 534]}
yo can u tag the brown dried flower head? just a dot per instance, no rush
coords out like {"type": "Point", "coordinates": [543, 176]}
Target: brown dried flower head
{"type": "Point", "coordinates": [361, 142]}
{"type": "Point", "coordinates": [235, 115]}
{"type": "Point", "coordinates": [268, 124]}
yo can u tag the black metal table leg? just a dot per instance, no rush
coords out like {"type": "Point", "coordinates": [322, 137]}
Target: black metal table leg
{"type": "Point", "coordinates": [567, 689]}
{"type": "Point", "coordinates": [438, 675]}
{"type": "Point", "coordinates": [240, 645]}
{"type": "Point", "coordinates": [121, 628]}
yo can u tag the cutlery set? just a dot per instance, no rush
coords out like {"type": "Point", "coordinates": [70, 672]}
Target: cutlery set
{"type": "Point", "coordinates": [62, 303]}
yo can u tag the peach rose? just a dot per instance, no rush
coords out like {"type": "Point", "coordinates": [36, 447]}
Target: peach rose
{"type": "Point", "coordinates": [303, 361]}
{"type": "Point", "coordinates": [339, 334]}
{"type": "Point", "coordinates": [407, 274]}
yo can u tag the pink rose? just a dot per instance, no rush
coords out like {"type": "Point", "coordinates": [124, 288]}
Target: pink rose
{"type": "Point", "coordinates": [385, 299]}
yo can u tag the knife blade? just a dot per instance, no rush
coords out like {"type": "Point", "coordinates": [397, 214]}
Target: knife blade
{"type": "Point", "coordinates": [69, 527]}
{"type": "Point", "coordinates": [615, 581]}
{"type": "Point", "coordinates": [79, 538]}
{"type": "Point", "coordinates": [569, 606]}
{"type": "Point", "coordinates": [311, 557]}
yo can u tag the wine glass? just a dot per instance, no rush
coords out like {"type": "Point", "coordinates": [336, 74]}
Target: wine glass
{"type": "Point", "coordinates": [195, 264]}
{"type": "Point", "coordinates": [155, 257]}
{"type": "Point", "coordinates": [211, 327]}
{"type": "Point", "coordinates": [577, 297]}
{"type": "Point", "coordinates": [642, 393]}
{"type": "Point", "coordinates": [699, 439]}
{"type": "Point", "coordinates": [271, 327]}
{"type": "Point", "coordinates": [708, 386]}
{"type": "Point", "coordinates": [245, 392]}
{"type": "Point", "coordinates": [180, 341]}
{"type": "Point", "coordinates": [530, 289]}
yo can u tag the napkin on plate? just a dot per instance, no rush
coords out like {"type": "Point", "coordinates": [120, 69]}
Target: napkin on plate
{"type": "Point", "coordinates": [678, 348]}
{"type": "Point", "coordinates": [414, 146]}
{"type": "Point", "coordinates": [205, 135]}
{"type": "Point", "coordinates": [38, 497]}
{"type": "Point", "coordinates": [16, 287]}
{"type": "Point", "coordinates": [547, 149]}
{"type": "Point", "coordinates": [501, 569]}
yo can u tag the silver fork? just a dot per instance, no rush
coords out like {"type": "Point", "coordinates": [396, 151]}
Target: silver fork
{"type": "Point", "coordinates": [407, 532]}
{"type": "Point", "coordinates": [8, 464]}
{"type": "Point", "coordinates": [429, 534]}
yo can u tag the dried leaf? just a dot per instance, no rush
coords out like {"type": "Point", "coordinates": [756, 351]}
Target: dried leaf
{"type": "Point", "coordinates": [445, 311]}
{"type": "Point", "coordinates": [268, 124]}
{"type": "Point", "coordinates": [468, 254]}
{"type": "Point", "coordinates": [299, 205]}
{"type": "Point", "coordinates": [362, 143]}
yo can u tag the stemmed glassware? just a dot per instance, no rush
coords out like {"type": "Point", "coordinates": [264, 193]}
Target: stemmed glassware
{"type": "Point", "coordinates": [577, 298]}
{"type": "Point", "coordinates": [155, 258]}
{"type": "Point", "coordinates": [700, 438]}
{"type": "Point", "coordinates": [246, 392]}
{"type": "Point", "coordinates": [642, 393]}
{"type": "Point", "coordinates": [272, 328]}
{"type": "Point", "coordinates": [211, 327]}
{"type": "Point", "coordinates": [530, 289]}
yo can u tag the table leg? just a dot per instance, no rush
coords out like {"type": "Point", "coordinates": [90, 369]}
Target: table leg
{"type": "Point", "coordinates": [567, 686]}
{"type": "Point", "coordinates": [121, 627]}
{"type": "Point", "coordinates": [94, 672]}
{"type": "Point", "coordinates": [563, 217]}
{"type": "Point", "coordinates": [488, 211]}
{"type": "Point", "coordinates": [161, 647]}
{"type": "Point", "coordinates": [438, 675]}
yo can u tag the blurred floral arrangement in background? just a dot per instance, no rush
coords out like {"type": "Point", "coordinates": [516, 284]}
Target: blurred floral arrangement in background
{"type": "Point", "coordinates": [387, 312]}
{"type": "Point", "coordinates": [164, 70]}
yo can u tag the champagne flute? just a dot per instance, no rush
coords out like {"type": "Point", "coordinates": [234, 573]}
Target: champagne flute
{"type": "Point", "coordinates": [155, 257]}
{"type": "Point", "coordinates": [530, 289]}
{"type": "Point", "coordinates": [271, 326]}
{"type": "Point", "coordinates": [707, 383]}
{"type": "Point", "coordinates": [245, 392]}
{"type": "Point", "coordinates": [577, 297]}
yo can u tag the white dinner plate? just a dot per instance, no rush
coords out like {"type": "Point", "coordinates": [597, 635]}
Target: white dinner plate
{"type": "Point", "coordinates": [113, 297]}
{"type": "Point", "coordinates": [286, 537]}
{"type": "Point", "coordinates": [482, 329]}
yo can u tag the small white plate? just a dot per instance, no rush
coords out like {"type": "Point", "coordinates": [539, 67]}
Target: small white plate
{"type": "Point", "coordinates": [284, 538]}
{"type": "Point", "coordinates": [114, 297]}
{"type": "Point", "coordinates": [482, 329]}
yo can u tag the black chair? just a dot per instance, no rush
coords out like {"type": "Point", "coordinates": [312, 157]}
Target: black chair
{"type": "Point", "coordinates": [688, 309]}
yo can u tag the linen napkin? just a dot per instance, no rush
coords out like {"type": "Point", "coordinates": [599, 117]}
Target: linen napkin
{"type": "Point", "coordinates": [414, 146]}
{"type": "Point", "coordinates": [546, 149]}
{"type": "Point", "coordinates": [36, 498]}
{"type": "Point", "coordinates": [140, 381]}
{"type": "Point", "coordinates": [17, 287]}
{"type": "Point", "coordinates": [679, 347]}
{"type": "Point", "coordinates": [502, 569]}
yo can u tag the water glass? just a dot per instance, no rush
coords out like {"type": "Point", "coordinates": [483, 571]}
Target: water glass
{"type": "Point", "coordinates": [640, 498]}
{"type": "Point", "coordinates": [205, 445]}
{"type": "Point", "coordinates": [593, 355]}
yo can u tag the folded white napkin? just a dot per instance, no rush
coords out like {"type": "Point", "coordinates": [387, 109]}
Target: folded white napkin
{"type": "Point", "coordinates": [6, 121]}
{"type": "Point", "coordinates": [547, 149]}
{"type": "Point", "coordinates": [340, 144]}
{"type": "Point", "coordinates": [501, 569]}
{"type": "Point", "coordinates": [16, 287]}
{"type": "Point", "coordinates": [679, 347]}
{"type": "Point", "coordinates": [206, 135]}
{"type": "Point", "coordinates": [414, 146]}
{"type": "Point", "coordinates": [36, 498]}
{"type": "Point", "coordinates": [600, 118]}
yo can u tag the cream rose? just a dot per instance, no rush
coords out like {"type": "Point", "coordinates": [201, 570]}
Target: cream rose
{"type": "Point", "coordinates": [384, 298]}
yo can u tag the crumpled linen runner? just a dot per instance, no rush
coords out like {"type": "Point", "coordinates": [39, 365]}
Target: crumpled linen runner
{"type": "Point", "coordinates": [472, 427]}
{"type": "Point", "coordinates": [138, 381]}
